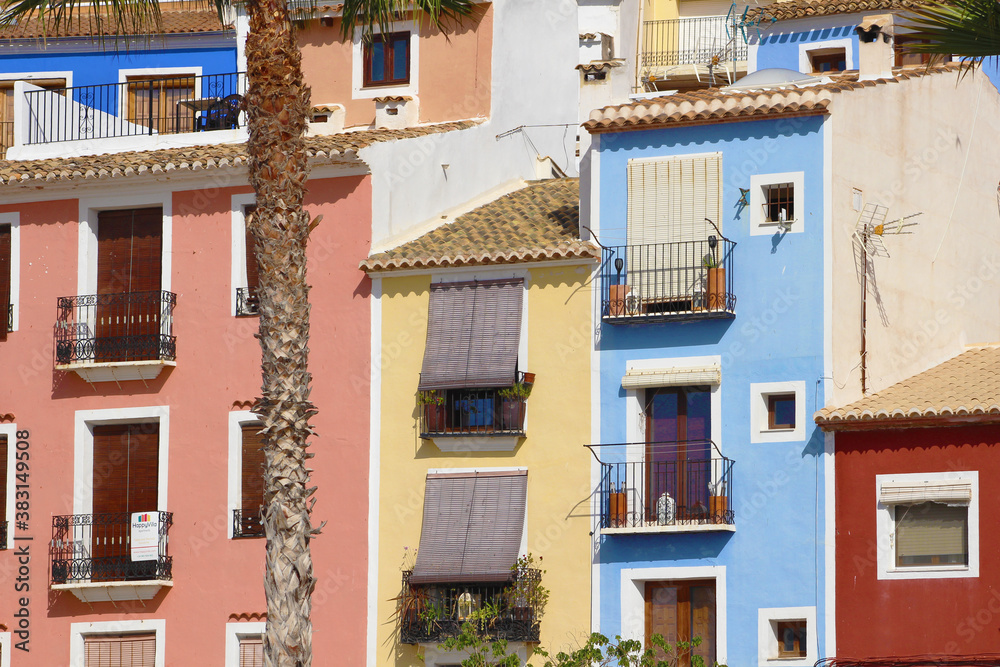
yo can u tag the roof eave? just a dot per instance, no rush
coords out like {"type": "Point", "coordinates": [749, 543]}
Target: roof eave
{"type": "Point", "coordinates": [896, 423]}
{"type": "Point", "coordinates": [595, 128]}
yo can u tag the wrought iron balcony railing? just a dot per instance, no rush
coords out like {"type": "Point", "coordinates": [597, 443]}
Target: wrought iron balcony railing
{"type": "Point", "coordinates": [247, 523]}
{"type": "Point", "coordinates": [690, 41]}
{"type": "Point", "coordinates": [436, 612]}
{"type": "Point", "coordinates": [656, 484]}
{"type": "Point", "coordinates": [3, 535]}
{"type": "Point", "coordinates": [167, 105]}
{"type": "Point", "coordinates": [463, 412]}
{"type": "Point", "coordinates": [88, 548]}
{"type": "Point", "coordinates": [103, 328]}
{"type": "Point", "coordinates": [246, 301]}
{"type": "Point", "coordinates": [668, 281]}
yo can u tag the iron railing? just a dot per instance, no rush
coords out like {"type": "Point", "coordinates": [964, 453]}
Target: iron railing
{"type": "Point", "coordinates": [169, 105]}
{"type": "Point", "coordinates": [663, 281]}
{"type": "Point", "coordinates": [96, 547]}
{"type": "Point", "coordinates": [463, 412]}
{"type": "Point", "coordinates": [131, 326]}
{"type": "Point", "coordinates": [3, 535]}
{"type": "Point", "coordinates": [648, 485]}
{"type": "Point", "coordinates": [690, 41]}
{"type": "Point", "coordinates": [248, 523]}
{"type": "Point", "coordinates": [435, 612]}
{"type": "Point", "coordinates": [247, 302]}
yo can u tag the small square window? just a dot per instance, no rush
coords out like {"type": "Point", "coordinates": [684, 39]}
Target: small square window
{"type": "Point", "coordinates": [929, 534]}
{"type": "Point", "coordinates": [781, 411]}
{"type": "Point", "coordinates": [791, 637]}
{"type": "Point", "coordinates": [779, 202]}
{"type": "Point", "coordinates": [387, 60]}
{"type": "Point", "coordinates": [828, 60]}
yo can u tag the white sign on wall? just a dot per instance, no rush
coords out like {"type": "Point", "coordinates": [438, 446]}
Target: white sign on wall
{"type": "Point", "coordinates": [145, 536]}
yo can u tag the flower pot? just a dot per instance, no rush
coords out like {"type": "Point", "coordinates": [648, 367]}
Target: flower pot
{"type": "Point", "coordinates": [616, 300]}
{"type": "Point", "coordinates": [717, 508]}
{"type": "Point", "coordinates": [435, 418]}
{"type": "Point", "coordinates": [617, 509]}
{"type": "Point", "coordinates": [716, 289]}
{"type": "Point", "coordinates": [513, 414]}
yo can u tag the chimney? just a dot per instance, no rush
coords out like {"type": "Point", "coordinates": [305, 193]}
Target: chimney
{"type": "Point", "coordinates": [875, 53]}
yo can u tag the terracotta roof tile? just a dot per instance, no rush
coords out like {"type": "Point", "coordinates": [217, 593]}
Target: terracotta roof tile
{"type": "Point", "coordinates": [798, 9]}
{"type": "Point", "coordinates": [215, 156]}
{"type": "Point", "coordinates": [538, 222]}
{"type": "Point", "coordinates": [84, 25]}
{"type": "Point", "coordinates": [714, 104]}
{"type": "Point", "coordinates": [964, 386]}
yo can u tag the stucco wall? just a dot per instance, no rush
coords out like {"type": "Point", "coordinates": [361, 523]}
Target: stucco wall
{"type": "Point", "coordinates": [925, 146]}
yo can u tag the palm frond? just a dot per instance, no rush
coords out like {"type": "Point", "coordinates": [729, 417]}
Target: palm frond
{"type": "Point", "coordinates": [969, 29]}
{"type": "Point", "coordinates": [371, 14]}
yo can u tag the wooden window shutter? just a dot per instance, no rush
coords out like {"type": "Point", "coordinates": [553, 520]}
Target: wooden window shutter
{"type": "Point", "coordinates": [5, 278]}
{"type": "Point", "coordinates": [253, 266]}
{"type": "Point", "coordinates": [129, 250]}
{"type": "Point", "coordinates": [252, 468]}
{"type": "Point", "coordinates": [251, 652]}
{"type": "Point", "coordinates": [120, 650]}
{"type": "Point", "coordinates": [3, 479]}
{"type": "Point", "coordinates": [126, 468]}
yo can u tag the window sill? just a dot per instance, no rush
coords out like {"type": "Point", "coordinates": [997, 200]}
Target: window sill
{"type": "Point", "coordinates": [675, 528]}
{"type": "Point", "coordinates": [117, 371]}
{"type": "Point", "coordinates": [501, 442]}
{"type": "Point", "coordinates": [114, 591]}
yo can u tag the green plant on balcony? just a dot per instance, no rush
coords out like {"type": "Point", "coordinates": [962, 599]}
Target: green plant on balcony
{"type": "Point", "coordinates": [430, 397]}
{"type": "Point", "coordinates": [518, 392]}
{"type": "Point", "coordinates": [527, 597]}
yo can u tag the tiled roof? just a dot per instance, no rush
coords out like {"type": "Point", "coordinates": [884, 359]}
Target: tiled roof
{"type": "Point", "coordinates": [297, 9]}
{"type": "Point", "coordinates": [715, 104]}
{"type": "Point", "coordinates": [215, 156]}
{"type": "Point", "coordinates": [537, 222]}
{"type": "Point", "coordinates": [599, 65]}
{"type": "Point", "coordinates": [799, 9]}
{"type": "Point", "coordinates": [173, 22]}
{"type": "Point", "coordinates": [964, 386]}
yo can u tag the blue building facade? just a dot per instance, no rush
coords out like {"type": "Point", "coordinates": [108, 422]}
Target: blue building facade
{"type": "Point", "coordinates": [710, 473]}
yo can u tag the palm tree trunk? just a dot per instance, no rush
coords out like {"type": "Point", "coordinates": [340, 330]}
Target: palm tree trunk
{"type": "Point", "coordinates": [277, 104]}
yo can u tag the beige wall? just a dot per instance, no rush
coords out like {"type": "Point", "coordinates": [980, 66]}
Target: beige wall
{"type": "Point", "coordinates": [921, 145]}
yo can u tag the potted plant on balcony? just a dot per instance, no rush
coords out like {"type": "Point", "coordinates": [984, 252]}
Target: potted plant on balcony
{"type": "Point", "coordinates": [718, 503]}
{"type": "Point", "coordinates": [715, 283]}
{"type": "Point", "coordinates": [526, 596]}
{"type": "Point", "coordinates": [513, 399]}
{"type": "Point", "coordinates": [432, 404]}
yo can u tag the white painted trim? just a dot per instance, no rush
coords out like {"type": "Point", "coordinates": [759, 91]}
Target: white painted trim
{"type": "Point", "coordinates": [829, 648]}
{"type": "Point", "coordinates": [77, 631]}
{"type": "Point", "coordinates": [235, 495]}
{"type": "Point", "coordinates": [752, 57]}
{"type": "Point", "coordinates": [83, 450]}
{"type": "Point", "coordinates": [436, 655]}
{"type": "Point", "coordinates": [374, 469]}
{"type": "Point", "coordinates": [124, 74]}
{"type": "Point", "coordinates": [757, 183]}
{"type": "Point", "coordinates": [633, 594]}
{"type": "Point", "coordinates": [477, 443]}
{"type": "Point", "coordinates": [238, 246]}
{"type": "Point", "coordinates": [14, 220]}
{"type": "Point", "coordinates": [759, 391]}
{"type": "Point", "coordinates": [450, 471]}
{"type": "Point", "coordinates": [634, 425]}
{"type": "Point", "coordinates": [885, 527]}
{"type": "Point", "coordinates": [358, 90]}
{"type": "Point", "coordinates": [675, 156]}
{"type": "Point", "coordinates": [30, 76]}
{"type": "Point", "coordinates": [595, 436]}
{"type": "Point", "coordinates": [235, 632]}
{"type": "Point", "coordinates": [494, 271]}
{"type": "Point", "coordinates": [10, 430]}
{"type": "Point", "coordinates": [767, 638]}
{"type": "Point", "coordinates": [90, 207]}
{"type": "Point", "coordinates": [5, 649]}
{"type": "Point", "coordinates": [807, 48]}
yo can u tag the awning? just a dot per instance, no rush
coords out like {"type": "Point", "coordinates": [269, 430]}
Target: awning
{"type": "Point", "coordinates": [672, 377]}
{"type": "Point", "coordinates": [948, 492]}
{"type": "Point", "coordinates": [473, 333]}
{"type": "Point", "coordinates": [472, 527]}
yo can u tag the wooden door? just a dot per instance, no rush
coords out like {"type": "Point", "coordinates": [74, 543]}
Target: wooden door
{"type": "Point", "coordinates": [253, 265]}
{"type": "Point", "coordinates": [126, 470]}
{"type": "Point", "coordinates": [252, 493]}
{"type": "Point", "coordinates": [678, 451]}
{"type": "Point", "coordinates": [7, 108]}
{"type": "Point", "coordinates": [129, 260]}
{"type": "Point", "coordinates": [154, 103]}
{"type": "Point", "coordinates": [5, 279]}
{"type": "Point", "coordinates": [679, 611]}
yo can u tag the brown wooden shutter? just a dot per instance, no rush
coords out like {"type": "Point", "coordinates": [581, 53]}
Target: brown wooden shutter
{"type": "Point", "coordinates": [120, 650]}
{"type": "Point", "coordinates": [3, 480]}
{"type": "Point", "coordinates": [253, 469]}
{"type": "Point", "coordinates": [251, 652]}
{"type": "Point", "coordinates": [253, 266]}
{"type": "Point", "coordinates": [5, 278]}
{"type": "Point", "coordinates": [126, 468]}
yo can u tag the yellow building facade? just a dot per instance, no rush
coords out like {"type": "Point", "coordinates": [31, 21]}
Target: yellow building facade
{"type": "Point", "coordinates": [432, 460]}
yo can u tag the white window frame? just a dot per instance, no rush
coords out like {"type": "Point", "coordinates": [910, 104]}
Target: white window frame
{"type": "Point", "coordinates": [358, 89]}
{"type": "Point", "coordinates": [237, 418]}
{"type": "Point", "coordinates": [238, 249]}
{"type": "Point", "coordinates": [235, 632]}
{"type": "Point", "coordinates": [165, 72]}
{"type": "Point", "coordinates": [760, 227]}
{"type": "Point", "coordinates": [759, 392]}
{"type": "Point", "coordinates": [807, 50]}
{"type": "Point", "coordinates": [83, 450]}
{"type": "Point", "coordinates": [14, 220]}
{"type": "Point", "coordinates": [5, 648]}
{"type": "Point", "coordinates": [6, 77]}
{"type": "Point", "coordinates": [885, 523]}
{"type": "Point", "coordinates": [77, 631]}
{"type": "Point", "coordinates": [633, 600]}
{"type": "Point", "coordinates": [10, 430]}
{"type": "Point", "coordinates": [767, 637]}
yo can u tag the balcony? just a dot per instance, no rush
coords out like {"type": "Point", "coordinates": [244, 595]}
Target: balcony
{"type": "Point", "coordinates": [248, 523]}
{"type": "Point", "coordinates": [93, 557]}
{"type": "Point", "coordinates": [133, 115]}
{"type": "Point", "coordinates": [686, 46]}
{"type": "Point", "coordinates": [432, 613]}
{"type": "Point", "coordinates": [657, 282]}
{"type": "Point", "coordinates": [462, 419]}
{"type": "Point", "coordinates": [116, 337]}
{"type": "Point", "coordinates": [664, 487]}
{"type": "Point", "coordinates": [247, 302]}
